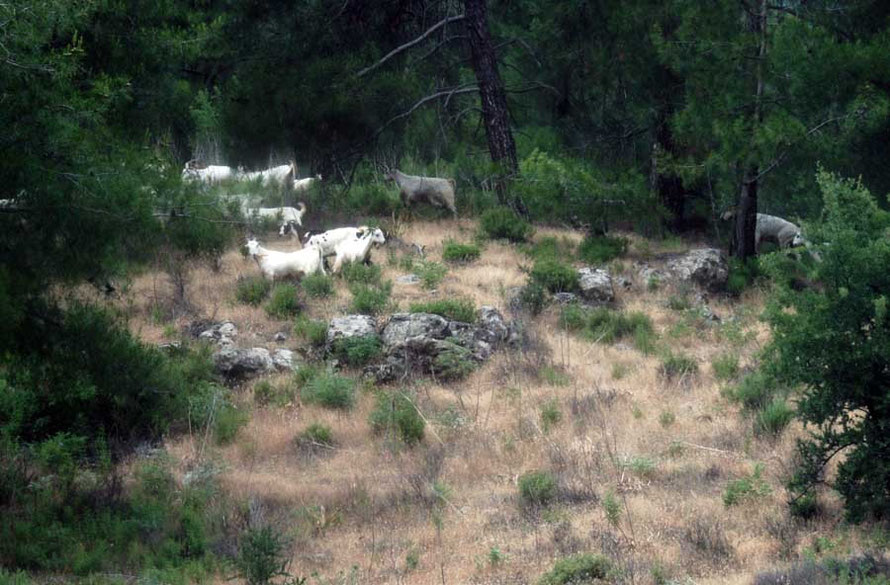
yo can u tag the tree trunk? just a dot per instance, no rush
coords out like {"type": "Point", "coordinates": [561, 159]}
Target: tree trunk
{"type": "Point", "coordinates": [494, 100]}
{"type": "Point", "coordinates": [742, 246]}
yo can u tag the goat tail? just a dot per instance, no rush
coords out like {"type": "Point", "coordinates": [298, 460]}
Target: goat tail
{"type": "Point", "coordinates": [301, 206]}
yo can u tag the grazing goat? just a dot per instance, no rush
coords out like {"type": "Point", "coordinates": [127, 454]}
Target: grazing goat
{"type": "Point", "coordinates": [303, 184]}
{"type": "Point", "coordinates": [329, 240]}
{"type": "Point", "coordinates": [773, 229]}
{"type": "Point", "coordinates": [358, 248]}
{"type": "Point", "coordinates": [285, 214]}
{"type": "Point", "coordinates": [276, 175]}
{"type": "Point", "coordinates": [210, 174]}
{"type": "Point", "coordinates": [433, 190]}
{"type": "Point", "coordinates": [400, 245]}
{"type": "Point", "coordinates": [275, 264]}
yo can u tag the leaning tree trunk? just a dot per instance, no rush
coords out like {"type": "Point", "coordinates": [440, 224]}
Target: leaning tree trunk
{"type": "Point", "coordinates": [746, 216]}
{"type": "Point", "coordinates": [494, 100]}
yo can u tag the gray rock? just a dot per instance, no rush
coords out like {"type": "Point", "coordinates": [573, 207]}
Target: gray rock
{"type": "Point", "coordinates": [514, 299]}
{"type": "Point", "coordinates": [210, 335]}
{"type": "Point", "coordinates": [408, 279]}
{"type": "Point", "coordinates": [225, 342]}
{"type": "Point", "coordinates": [706, 267]}
{"type": "Point", "coordinates": [227, 329]}
{"type": "Point", "coordinates": [241, 363]}
{"type": "Point", "coordinates": [403, 326]}
{"type": "Point", "coordinates": [623, 282]}
{"type": "Point", "coordinates": [596, 285]}
{"type": "Point", "coordinates": [648, 273]}
{"type": "Point", "coordinates": [351, 326]}
{"type": "Point", "coordinates": [564, 298]}
{"type": "Point", "coordinates": [283, 359]}
{"type": "Point", "coordinates": [280, 336]}
{"type": "Point", "coordinates": [492, 327]}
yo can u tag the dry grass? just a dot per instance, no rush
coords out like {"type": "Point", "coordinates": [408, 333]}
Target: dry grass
{"type": "Point", "coordinates": [370, 505]}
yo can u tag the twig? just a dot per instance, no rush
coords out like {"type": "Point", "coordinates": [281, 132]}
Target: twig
{"type": "Point", "coordinates": [409, 44]}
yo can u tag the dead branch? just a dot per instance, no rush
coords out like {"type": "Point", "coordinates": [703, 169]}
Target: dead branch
{"type": "Point", "coordinates": [409, 44]}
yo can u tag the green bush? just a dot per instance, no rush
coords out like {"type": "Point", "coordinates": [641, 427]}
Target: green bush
{"type": "Point", "coordinates": [252, 290]}
{"type": "Point", "coordinates": [454, 362]}
{"type": "Point", "coordinates": [555, 276]}
{"type": "Point", "coordinates": [550, 248]}
{"type": "Point", "coordinates": [675, 365]}
{"type": "Point", "coordinates": [601, 249]}
{"type": "Point", "coordinates": [607, 326]}
{"type": "Point", "coordinates": [283, 303]}
{"type": "Point", "coordinates": [314, 332]}
{"type": "Point", "coordinates": [454, 309]}
{"type": "Point", "coordinates": [395, 413]}
{"type": "Point", "coordinates": [577, 570]}
{"type": "Point", "coordinates": [318, 434]}
{"type": "Point", "coordinates": [317, 286]}
{"type": "Point", "coordinates": [742, 274]}
{"type": "Point", "coordinates": [455, 252]}
{"type": "Point", "coordinates": [537, 488]}
{"type": "Point", "coordinates": [359, 273]}
{"type": "Point", "coordinates": [754, 391]}
{"type": "Point", "coordinates": [357, 351]}
{"type": "Point", "coordinates": [330, 390]}
{"type": "Point", "coordinates": [533, 297]}
{"type": "Point", "coordinates": [501, 222]}
{"type": "Point", "coordinates": [263, 392]}
{"type": "Point", "coordinates": [773, 418]}
{"type": "Point", "coordinates": [263, 554]}
{"type": "Point", "coordinates": [431, 273]}
{"type": "Point", "coordinates": [725, 366]}
{"type": "Point", "coordinates": [746, 488]}
{"type": "Point", "coordinates": [550, 415]}
{"type": "Point", "coordinates": [370, 300]}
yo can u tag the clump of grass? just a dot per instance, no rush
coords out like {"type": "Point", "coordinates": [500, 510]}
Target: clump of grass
{"type": "Point", "coordinates": [537, 488]}
{"type": "Point", "coordinates": [329, 390]}
{"type": "Point", "coordinates": [456, 252]}
{"type": "Point", "coordinates": [675, 365]}
{"type": "Point", "coordinates": [612, 508]}
{"type": "Point", "coordinates": [454, 362]}
{"type": "Point", "coordinates": [454, 309]}
{"type": "Point", "coordinates": [773, 418]}
{"type": "Point", "coordinates": [666, 418]}
{"type": "Point", "coordinates": [555, 376]}
{"type": "Point", "coordinates": [742, 274]}
{"type": "Point", "coordinates": [283, 302]}
{"type": "Point", "coordinates": [317, 434]}
{"type": "Point", "coordinates": [578, 569]}
{"type": "Point", "coordinates": [639, 465]}
{"type": "Point", "coordinates": [533, 297]}
{"type": "Point", "coordinates": [501, 222]}
{"type": "Point", "coordinates": [370, 300]}
{"type": "Point", "coordinates": [395, 413]}
{"type": "Point", "coordinates": [749, 487]}
{"type": "Point", "coordinates": [252, 290]}
{"type": "Point", "coordinates": [754, 391]}
{"type": "Point", "coordinates": [601, 249]}
{"type": "Point", "coordinates": [725, 366]}
{"type": "Point", "coordinates": [263, 392]}
{"type": "Point", "coordinates": [431, 274]}
{"type": "Point", "coordinates": [314, 332]}
{"type": "Point", "coordinates": [317, 286]}
{"type": "Point", "coordinates": [554, 275]}
{"type": "Point", "coordinates": [679, 302]}
{"type": "Point", "coordinates": [620, 370]}
{"type": "Point", "coordinates": [550, 415]}
{"type": "Point", "coordinates": [550, 248]}
{"type": "Point", "coordinates": [608, 326]}
{"type": "Point", "coordinates": [359, 273]}
{"type": "Point", "coordinates": [357, 351]}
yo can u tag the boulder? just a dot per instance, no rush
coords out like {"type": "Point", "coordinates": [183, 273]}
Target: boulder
{"type": "Point", "coordinates": [242, 363]}
{"type": "Point", "coordinates": [403, 326]}
{"type": "Point", "coordinates": [408, 279]}
{"type": "Point", "coordinates": [706, 267]}
{"type": "Point", "coordinates": [221, 333]}
{"type": "Point", "coordinates": [492, 327]}
{"type": "Point", "coordinates": [283, 359]}
{"type": "Point", "coordinates": [351, 326]}
{"type": "Point", "coordinates": [227, 329]}
{"type": "Point", "coordinates": [596, 285]}
{"type": "Point", "coordinates": [565, 298]}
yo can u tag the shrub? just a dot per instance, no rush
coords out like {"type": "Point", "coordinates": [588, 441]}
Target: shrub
{"type": "Point", "coordinates": [601, 249]}
{"type": "Point", "coordinates": [252, 290]}
{"type": "Point", "coordinates": [455, 252]}
{"type": "Point", "coordinates": [550, 415]}
{"type": "Point", "coordinates": [550, 248]}
{"type": "Point", "coordinates": [554, 375]}
{"type": "Point", "coordinates": [359, 273]}
{"type": "Point", "coordinates": [263, 553]}
{"type": "Point", "coordinates": [667, 418]}
{"type": "Point", "coordinates": [317, 286]}
{"type": "Point", "coordinates": [754, 391]}
{"type": "Point", "coordinates": [746, 488]}
{"type": "Point", "coordinates": [431, 273]}
{"type": "Point", "coordinates": [577, 569]}
{"type": "Point", "coordinates": [330, 390]}
{"type": "Point", "coordinates": [263, 392]}
{"type": "Point", "coordinates": [679, 303]}
{"type": "Point", "coordinates": [773, 418]}
{"type": "Point", "coordinates": [555, 276]}
{"type": "Point", "coordinates": [537, 488]}
{"type": "Point", "coordinates": [742, 274]}
{"type": "Point", "coordinates": [675, 365]}
{"type": "Point", "coordinates": [357, 351]}
{"type": "Point", "coordinates": [642, 466]}
{"type": "Point", "coordinates": [283, 303]}
{"type": "Point", "coordinates": [533, 297]}
{"type": "Point", "coordinates": [314, 332]}
{"type": "Point", "coordinates": [501, 222]}
{"type": "Point", "coordinates": [608, 326]}
{"type": "Point", "coordinates": [573, 318]}
{"type": "Point", "coordinates": [612, 508]}
{"type": "Point", "coordinates": [454, 362]}
{"type": "Point", "coordinates": [318, 434]}
{"type": "Point", "coordinates": [725, 366]}
{"type": "Point", "coordinates": [370, 300]}
{"type": "Point", "coordinates": [453, 308]}
{"type": "Point", "coordinates": [395, 413]}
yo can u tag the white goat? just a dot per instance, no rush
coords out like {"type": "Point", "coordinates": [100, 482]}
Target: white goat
{"type": "Point", "coordinates": [211, 174]}
{"type": "Point", "coordinates": [433, 190]}
{"type": "Point", "coordinates": [329, 240]}
{"type": "Point", "coordinates": [303, 184]}
{"type": "Point", "coordinates": [276, 175]}
{"type": "Point", "coordinates": [773, 229]}
{"type": "Point", "coordinates": [285, 214]}
{"type": "Point", "coordinates": [357, 248]}
{"type": "Point", "coordinates": [275, 264]}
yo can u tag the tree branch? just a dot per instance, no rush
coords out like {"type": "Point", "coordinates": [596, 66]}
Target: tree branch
{"type": "Point", "coordinates": [420, 102]}
{"type": "Point", "coordinates": [409, 44]}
